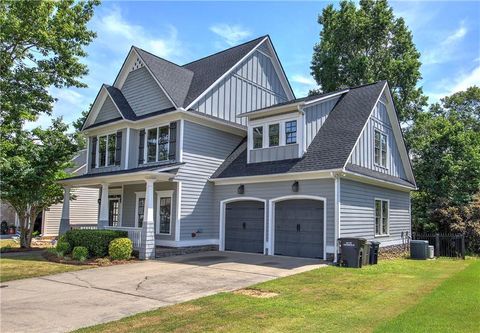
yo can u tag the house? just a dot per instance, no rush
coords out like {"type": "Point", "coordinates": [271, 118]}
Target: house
{"type": "Point", "coordinates": [83, 209]}
{"type": "Point", "coordinates": [219, 152]}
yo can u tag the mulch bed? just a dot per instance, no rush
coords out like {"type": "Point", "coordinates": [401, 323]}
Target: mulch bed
{"type": "Point", "coordinates": [98, 262]}
{"type": "Point", "coordinates": [20, 249]}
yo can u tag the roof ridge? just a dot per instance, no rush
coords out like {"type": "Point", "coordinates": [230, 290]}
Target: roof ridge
{"type": "Point", "coordinates": [158, 57]}
{"type": "Point", "coordinates": [222, 51]}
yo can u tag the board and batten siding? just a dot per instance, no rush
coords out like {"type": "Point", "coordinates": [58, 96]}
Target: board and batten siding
{"type": "Point", "coordinates": [143, 93]}
{"type": "Point", "coordinates": [107, 111]}
{"type": "Point", "coordinates": [363, 153]}
{"type": "Point", "coordinates": [357, 211]}
{"type": "Point", "coordinates": [271, 190]}
{"type": "Point", "coordinates": [83, 210]}
{"type": "Point", "coordinates": [253, 85]}
{"type": "Point", "coordinates": [274, 153]}
{"type": "Point", "coordinates": [204, 150]}
{"type": "Point", "coordinates": [315, 116]}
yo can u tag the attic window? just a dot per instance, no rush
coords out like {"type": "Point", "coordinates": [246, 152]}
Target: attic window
{"type": "Point", "coordinates": [138, 64]}
{"type": "Point", "coordinates": [380, 149]}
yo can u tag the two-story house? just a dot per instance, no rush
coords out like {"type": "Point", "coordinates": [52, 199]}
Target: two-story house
{"type": "Point", "coordinates": [219, 152]}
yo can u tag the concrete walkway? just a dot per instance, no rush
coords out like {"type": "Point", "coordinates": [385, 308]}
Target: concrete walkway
{"type": "Point", "coordinates": [68, 301]}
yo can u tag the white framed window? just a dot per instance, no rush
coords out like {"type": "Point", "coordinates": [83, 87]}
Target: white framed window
{"type": "Point", "coordinates": [139, 209]}
{"type": "Point", "coordinates": [106, 150]}
{"type": "Point", "coordinates": [382, 213]}
{"type": "Point", "coordinates": [157, 141]}
{"type": "Point", "coordinates": [274, 135]}
{"type": "Point", "coordinates": [380, 148]}
{"type": "Point", "coordinates": [164, 212]}
{"type": "Point", "coordinates": [258, 137]}
{"type": "Point", "coordinates": [290, 132]}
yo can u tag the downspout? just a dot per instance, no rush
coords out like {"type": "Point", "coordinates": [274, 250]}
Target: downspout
{"type": "Point", "coordinates": [337, 230]}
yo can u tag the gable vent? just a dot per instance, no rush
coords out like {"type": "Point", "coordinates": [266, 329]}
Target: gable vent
{"type": "Point", "coordinates": [138, 64]}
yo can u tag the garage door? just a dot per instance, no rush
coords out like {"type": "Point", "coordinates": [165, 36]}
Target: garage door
{"type": "Point", "coordinates": [299, 228]}
{"type": "Point", "coordinates": [244, 223]}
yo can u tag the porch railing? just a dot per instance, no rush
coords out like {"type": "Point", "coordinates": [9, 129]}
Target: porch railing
{"type": "Point", "coordinates": [134, 234]}
{"type": "Point", "coordinates": [83, 226]}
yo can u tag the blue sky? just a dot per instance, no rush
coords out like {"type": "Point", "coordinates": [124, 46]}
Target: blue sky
{"type": "Point", "coordinates": [446, 33]}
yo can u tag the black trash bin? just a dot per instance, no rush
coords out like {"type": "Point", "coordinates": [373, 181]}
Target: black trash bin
{"type": "Point", "coordinates": [351, 251]}
{"type": "Point", "coordinates": [374, 248]}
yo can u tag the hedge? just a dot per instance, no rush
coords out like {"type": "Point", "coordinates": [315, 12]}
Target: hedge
{"type": "Point", "coordinates": [120, 249]}
{"type": "Point", "coordinates": [63, 248]}
{"type": "Point", "coordinates": [95, 240]}
{"type": "Point", "coordinates": [80, 253]}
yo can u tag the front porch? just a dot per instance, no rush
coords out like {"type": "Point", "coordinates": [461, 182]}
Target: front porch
{"type": "Point", "coordinates": [144, 204]}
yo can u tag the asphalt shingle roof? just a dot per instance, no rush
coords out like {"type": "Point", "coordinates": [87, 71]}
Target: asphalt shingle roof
{"type": "Point", "coordinates": [329, 149]}
{"type": "Point", "coordinates": [121, 102]}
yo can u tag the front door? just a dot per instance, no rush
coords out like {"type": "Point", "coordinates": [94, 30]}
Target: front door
{"type": "Point", "coordinates": [114, 211]}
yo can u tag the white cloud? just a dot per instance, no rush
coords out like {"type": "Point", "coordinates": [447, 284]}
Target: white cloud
{"type": "Point", "coordinates": [461, 82]}
{"type": "Point", "coordinates": [231, 34]}
{"type": "Point", "coordinates": [302, 84]}
{"type": "Point", "coordinates": [303, 79]}
{"type": "Point", "coordinates": [446, 49]}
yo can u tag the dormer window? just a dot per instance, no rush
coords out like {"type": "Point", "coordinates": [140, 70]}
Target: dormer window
{"type": "Point", "coordinates": [290, 132]}
{"type": "Point", "coordinates": [380, 149]}
{"type": "Point", "coordinates": [258, 137]}
{"type": "Point", "coordinates": [273, 135]}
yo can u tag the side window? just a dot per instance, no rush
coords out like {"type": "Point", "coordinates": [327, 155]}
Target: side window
{"type": "Point", "coordinates": [157, 141]}
{"type": "Point", "coordinates": [291, 132]}
{"type": "Point", "coordinates": [140, 210]}
{"type": "Point", "coordinates": [102, 151]}
{"type": "Point", "coordinates": [381, 148]}
{"type": "Point", "coordinates": [381, 217]}
{"type": "Point", "coordinates": [258, 137]}
{"type": "Point", "coordinates": [109, 149]}
{"type": "Point", "coordinates": [273, 135]}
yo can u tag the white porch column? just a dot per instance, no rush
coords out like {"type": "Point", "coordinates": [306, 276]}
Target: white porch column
{"type": "Point", "coordinates": [65, 219]}
{"type": "Point", "coordinates": [103, 217]}
{"type": "Point", "coordinates": [147, 249]}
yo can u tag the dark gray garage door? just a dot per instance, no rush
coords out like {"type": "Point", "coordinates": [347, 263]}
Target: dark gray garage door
{"type": "Point", "coordinates": [299, 228]}
{"type": "Point", "coordinates": [244, 223]}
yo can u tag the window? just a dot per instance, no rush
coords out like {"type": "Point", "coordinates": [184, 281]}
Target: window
{"type": "Point", "coordinates": [380, 149]}
{"type": "Point", "coordinates": [107, 145]}
{"type": "Point", "coordinates": [291, 132]}
{"type": "Point", "coordinates": [273, 135]}
{"type": "Point", "coordinates": [114, 210]}
{"type": "Point", "coordinates": [381, 217]}
{"type": "Point", "coordinates": [140, 210]}
{"type": "Point", "coordinates": [164, 212]}
{"type": "Point", "coordinates": [157, 142]}
{"type": "Point", "coordinates": [257, 137]}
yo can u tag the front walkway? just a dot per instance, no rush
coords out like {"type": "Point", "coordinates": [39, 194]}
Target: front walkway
{"type": "Point", "coordinates": [64, 302]}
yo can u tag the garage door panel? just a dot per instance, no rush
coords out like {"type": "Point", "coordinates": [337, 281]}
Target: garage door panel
{"type": "Point", "coordinates": [244, 226]}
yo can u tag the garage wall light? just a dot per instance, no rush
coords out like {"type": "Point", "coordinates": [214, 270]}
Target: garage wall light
{"type": "Point", "coordinates": [295, 186]}
{"type": "Point", "coordinates": [241, 189]}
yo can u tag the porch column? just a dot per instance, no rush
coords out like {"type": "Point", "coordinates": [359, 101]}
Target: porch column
{"type": "Point", "coordinates": [147, 249]}
{"type": "Point", "coordinates": [103, 218]}
{"type": "Point", "coordinates": [65, 219]}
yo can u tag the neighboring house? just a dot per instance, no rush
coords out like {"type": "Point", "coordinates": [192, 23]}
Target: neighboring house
{"type": "Point", "coordinates": [219, 152]}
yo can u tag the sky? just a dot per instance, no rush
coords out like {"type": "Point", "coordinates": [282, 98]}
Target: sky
{"type": "Point", "coordinates": [446, 33]}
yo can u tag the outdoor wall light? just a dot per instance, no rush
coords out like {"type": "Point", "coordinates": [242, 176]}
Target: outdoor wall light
{"type": "Point", "coordinates": [241, 189]}
{"type": "Point", "coordinates": [295, 186]}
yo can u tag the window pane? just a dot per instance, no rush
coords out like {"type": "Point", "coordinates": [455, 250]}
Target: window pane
{"type": "Point", "coordinates": [258, 137]}
{"type": "Point", "coordinates": [111, 149]}
{"type": "Point", "coordinates": [163, 138]}
{"type": "Point", "coordinates": [377, 147]}
{"type": "Point", "coordinates": [291, 132]}
{"type": "Point", "coordinates": [151, 145]}
{"type": "Point", "coordinates": [384, 150]}
{"type": "Point", "coordinates": [140, 211]}
{"type": "Point", "coordinates": [273, 135]}
{"type": "Point", "coordinates": [102, 149]}
{"type": "Point", "coordinates": [385, 217]}
{"type": "Point", "coordinates": [165, 210]}
{"type": "Point", "coordinates": [378, 217]}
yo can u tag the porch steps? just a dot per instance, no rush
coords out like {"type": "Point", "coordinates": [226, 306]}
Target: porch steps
{"type": "Point", "coordinates": [163, 251]}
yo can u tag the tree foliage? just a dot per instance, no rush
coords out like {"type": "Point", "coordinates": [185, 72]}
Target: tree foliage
{"type": "Point", "coordinates": [365, 44]}
{"type": "Point", "coordinates": [77, 126]}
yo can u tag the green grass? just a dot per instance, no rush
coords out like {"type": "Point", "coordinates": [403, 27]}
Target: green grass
{"type": "Point", "coordinates": [26, 265]}
{"type": "Point", "coordinates": [8, 244]}
{"type": "Point", "coordinates": [329, 299]}
{"type": "Point", "coordinates": [453, 307]}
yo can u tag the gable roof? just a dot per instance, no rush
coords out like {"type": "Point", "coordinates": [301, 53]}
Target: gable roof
{"type": "Point", "coordinates": [121, 102]}
{"type": "Point", "coordinates": [331, 147]}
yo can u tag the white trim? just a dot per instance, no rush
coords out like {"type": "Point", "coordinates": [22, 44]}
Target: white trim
{"type": "Point", "coordinates": [127, 147]}
{"type": "Point", "coordinates": [336, 226]}
{"type": "Point", "coordinates": [164, 194]}
{"type": "Point", "coordinates": [87, 161]}
{"type": "Point", "coordinates": [376, 181]}
{"type": "Point", "coordinates": [275, 177]}
{"type": "Point", "coordinates": [145, 148]}
{"type": "Point", "coordinates": [139, 195]}
{"type": "Point", "coordinates": [324, 98]}
{"type": "Point", "coordinates": [178, 208]}
{"type": "Point", "coordinates": [271, 218]}
{"type": "Point", "coordinates": [180, 140]}
{"type": "Point", "coordinates": [193, 242]}
{"type": "Point", "coordinates": [223, 204]}
{"type": "Point", "coordinates": [387, 156]}
{"type": "Point", "coordinates": [97, 155]}
{"type": "Point", "coordinates": [387, 234]}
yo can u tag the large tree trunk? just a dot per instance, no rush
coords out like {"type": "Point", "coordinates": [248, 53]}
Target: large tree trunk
{"type": "Point", "coordinates": [27, 222]}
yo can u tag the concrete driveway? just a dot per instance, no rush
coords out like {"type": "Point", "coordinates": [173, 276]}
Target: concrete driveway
{"type": "Point", "coordinates": [67, 301]}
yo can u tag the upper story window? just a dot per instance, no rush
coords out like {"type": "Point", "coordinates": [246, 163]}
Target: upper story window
{"type": "Point", "coordinates": [258, 137]}
{"type": "Point", "coordinates": [381, 149]}
{"type": "Point", "coordinates": [290, 132]}
{"type": "Point", "coordinates": [157, 142]}
{"type": "Point", "coordinates": [381, 217]}
{"type": "Point", "coordinates": [273, 135]}
{"type": "Point", "coordinates": [108, 150]}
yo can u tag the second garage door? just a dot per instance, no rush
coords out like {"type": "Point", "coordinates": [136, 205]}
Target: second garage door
{"type": "Point", "coordinates": [244, 226]}
{"type": "Point", "coordinates": [299, 228]}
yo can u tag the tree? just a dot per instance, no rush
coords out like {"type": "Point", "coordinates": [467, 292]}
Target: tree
{"type": "Point", "coordinates": [77, 125]}
{"type": "Point", "coordinates": [445, 149]}
{"type": "Point", "coordinates": [367, 44]}
{"type": "Point", "coordinates": [33, 163]}
{"type": "Point", "coordinates": [41, 46]}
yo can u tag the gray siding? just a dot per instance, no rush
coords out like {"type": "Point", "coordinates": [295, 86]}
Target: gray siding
{"type": "Point", "coordinates": [83, 210]}
{"type": "Point", "coordinates": [315, 116]}
{"type": "Point", "coordinates": [271, 190]}
{"type": "Point", "coordinates": [274, 153]}
{"type": "Point", "coordinates": [129, 203]}
{"type": "Point", "coordinates": [107, 111]}
{"type": "Point", "coordinates": [357, 211]}
{"type": "Point", "coordinates": [143, 93]}
{"type": "Point", "coordinates": [363, 153]}
{"type": "Point", "coordinates": [204, 150]}
{"type": "Point", "coordinates": [253, 85]}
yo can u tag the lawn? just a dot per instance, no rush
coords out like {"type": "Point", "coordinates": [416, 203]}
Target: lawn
{"type": "Point", "coordinates": [26, 265]}
{"type": "Point", "coordinates": [330, 299]}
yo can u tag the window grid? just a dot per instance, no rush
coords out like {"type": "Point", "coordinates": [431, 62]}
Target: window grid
{"type": "Point", "coordinates": [165, 214]}
{"type": "Point", "coordinates": [140, 211]}
{"type": "Point", "coordinates": [157, 142]}
{"type": "Point", "coordinates": [291, 132]}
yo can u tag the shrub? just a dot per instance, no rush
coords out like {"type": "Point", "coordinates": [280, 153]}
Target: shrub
{"type": "Point", "coordinates": [63, 248]}
{"type": "Point", "coordinates": [96, 241]}
{"type": "Point", "coordinates": [120, 249]}
{"type": "Point", "coordinates": [80, 253]}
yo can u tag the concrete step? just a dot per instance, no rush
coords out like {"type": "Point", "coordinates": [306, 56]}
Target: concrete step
{"type": "Point", "coordinates": [163, 251]}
